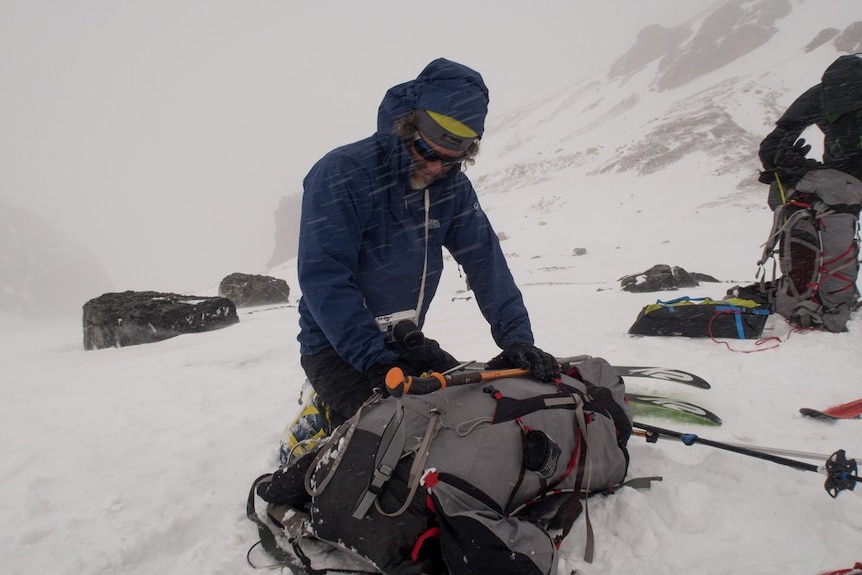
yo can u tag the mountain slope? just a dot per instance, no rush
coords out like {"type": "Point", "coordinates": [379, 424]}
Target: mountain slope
{"type": "Point", "coordinates": [714, 86]}
{"type": "Point", "coordinates": [42, 274]}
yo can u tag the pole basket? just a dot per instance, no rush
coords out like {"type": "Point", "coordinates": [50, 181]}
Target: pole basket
{"type": "Point", "coordinates": [841, 473]}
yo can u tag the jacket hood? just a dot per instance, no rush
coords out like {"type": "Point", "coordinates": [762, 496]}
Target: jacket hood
{"type": "Point", "coordinates": [842, 85]}
{"type": "Point", "coordinates": [444, 87]}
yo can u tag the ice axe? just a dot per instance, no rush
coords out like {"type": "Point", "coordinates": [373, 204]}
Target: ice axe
{"type": "Point", "coordinates": [398, 383]}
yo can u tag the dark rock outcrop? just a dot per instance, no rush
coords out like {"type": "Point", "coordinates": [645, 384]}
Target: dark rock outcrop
{"type": "Point", "coordinates": [132, 318]}
{"type": "Point", "coordinates": [246, 290]}
{"type": "Point", "coordinates": [662, 277]}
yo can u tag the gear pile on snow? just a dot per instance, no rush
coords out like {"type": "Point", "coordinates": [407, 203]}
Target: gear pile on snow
{"type": "Point", "coordinates": [485, 478]}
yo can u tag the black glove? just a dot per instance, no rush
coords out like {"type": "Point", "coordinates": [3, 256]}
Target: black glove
{"type": "Point", "coordinates": [428, 357]}
{"type": "Point", "coordinates": [419, 352]}
{"type": "Point", "coordinates": [542, 365]}
{"type": "Point", "coordinates": [790, 161]}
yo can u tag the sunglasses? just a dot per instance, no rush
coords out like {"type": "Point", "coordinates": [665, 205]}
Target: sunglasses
{"type": "Point", "coordinates": [428, 154]}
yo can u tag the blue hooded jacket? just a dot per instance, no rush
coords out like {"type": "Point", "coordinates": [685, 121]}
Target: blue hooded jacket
{"type": "Point", "coordinates": [362, 232]}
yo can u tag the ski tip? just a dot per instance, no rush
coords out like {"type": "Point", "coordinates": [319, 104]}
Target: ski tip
{"type": "Point", "coordinates": [816, 414]}
{"type": "Point", "coordinates": [670, 409]}
{"type": "Point", "coordinates": [663, 373]}
{"type": "Point", "coordinates": [855, 570]}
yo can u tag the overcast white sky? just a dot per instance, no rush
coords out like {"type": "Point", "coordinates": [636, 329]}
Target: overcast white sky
{"type": "Point", "coordinates": [160, 134]}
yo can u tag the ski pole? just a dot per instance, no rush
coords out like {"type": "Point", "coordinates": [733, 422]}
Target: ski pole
{"type": "Point", "coordinates": [841, 473]}
{"type": "Point", "coordinates": [790, 452]}
{"type": "Point", "coordinates": [772, 450]}
{"type": "Point", "coordinates": [398, 383]}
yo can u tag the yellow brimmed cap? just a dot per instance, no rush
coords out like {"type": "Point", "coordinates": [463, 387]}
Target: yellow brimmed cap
{"type": "Point", "coordinates": [445, 131]}
{"type": "Point", "coordinates": [452, 125]}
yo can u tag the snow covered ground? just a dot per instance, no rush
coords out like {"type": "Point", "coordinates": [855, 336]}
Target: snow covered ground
{"type": "Point", "coordinates": [138, 460]}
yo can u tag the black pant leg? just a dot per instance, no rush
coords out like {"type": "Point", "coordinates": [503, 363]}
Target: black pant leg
{"type": "Point", "coordinates": [340, 385]}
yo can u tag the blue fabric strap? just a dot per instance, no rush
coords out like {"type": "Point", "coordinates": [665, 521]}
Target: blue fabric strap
{"type": "Point", "coordinates": [678, 300]}
{"type": "Point", "coordinates": [737, 312]}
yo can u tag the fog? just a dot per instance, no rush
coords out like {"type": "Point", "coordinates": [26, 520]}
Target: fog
{"type": "Point", "coordinates": [160, 135]}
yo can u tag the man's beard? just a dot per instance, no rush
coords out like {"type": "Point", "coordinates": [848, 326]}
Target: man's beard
{"type": "Point", "coordinates": [419, 179]}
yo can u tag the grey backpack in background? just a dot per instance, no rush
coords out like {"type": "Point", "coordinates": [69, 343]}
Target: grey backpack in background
{"type": "Point", "coordinates": [815, 238]}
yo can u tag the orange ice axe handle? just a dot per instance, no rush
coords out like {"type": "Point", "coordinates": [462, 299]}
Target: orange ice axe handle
{"type": "Point", "coordinates": [398, 383]}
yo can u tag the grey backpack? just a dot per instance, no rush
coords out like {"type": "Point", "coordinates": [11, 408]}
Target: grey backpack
{"type": "Point", "coordinates": [473, 479]}
{"type": "Point", "coordinates": [815, 238]}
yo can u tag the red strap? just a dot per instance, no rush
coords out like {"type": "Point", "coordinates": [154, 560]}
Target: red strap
{"type": "Point", "coordinates": [825, 270]}
{"type": "Point", "coordinates": [430, 479]}
{"type": "Point", "coordinates": [774, 340]}
{"type": "Point", "coordinates": [576, 454]}
{"type": "Point", "coordinates": [417, 547]}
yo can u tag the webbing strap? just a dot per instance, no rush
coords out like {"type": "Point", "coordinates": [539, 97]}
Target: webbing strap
{"type": "Point", "coordinates": [267, 537]}
{"type": "Point", "coordinates": [345, 430]}
{"type": "Point", "coordinates": [419, 459]}
{"type": "Point", "coordinates": [583, 468]}
{"type": "Point", "coordinates": [389, 451]}
{"type": "Point", "coordinates": [523, 469]}
{"type": "Point", "coordinates": [737, 315]}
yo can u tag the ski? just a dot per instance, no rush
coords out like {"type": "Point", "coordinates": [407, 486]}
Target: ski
{"type": "Point", "coordinates": [670, 409]}
{"type": "Point", "coordinates": [855, 570]}
{"type": "Point", "coordinates": [849, 410]}
{"type": "Point", "coordinates": [662, 373]}
{"type": "Point", "coordinates": [650, 405]}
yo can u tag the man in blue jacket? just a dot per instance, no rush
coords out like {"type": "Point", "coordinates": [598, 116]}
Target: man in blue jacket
{"type": "Point", "coordinates": [375, 216]}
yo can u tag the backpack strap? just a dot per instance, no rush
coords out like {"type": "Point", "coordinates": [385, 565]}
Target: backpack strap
{"type": "Point", "coordinates": [780, 221]}
{"type": "Point", "coordinates": [389, 452]}
{"type": "Point", "coordinates": [344, 430]}
{"type": "Point", "coordinates": [267, 537]}
{"type": "Point", "coordinates": [572, 507]}
{"type": "Point", "coordinates": [419, 459]}
{"type": "Point", "coordinates": [570, 510]}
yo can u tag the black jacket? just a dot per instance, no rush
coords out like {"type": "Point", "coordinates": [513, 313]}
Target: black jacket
{"type": "Point", "coordinates": [835, 106]}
